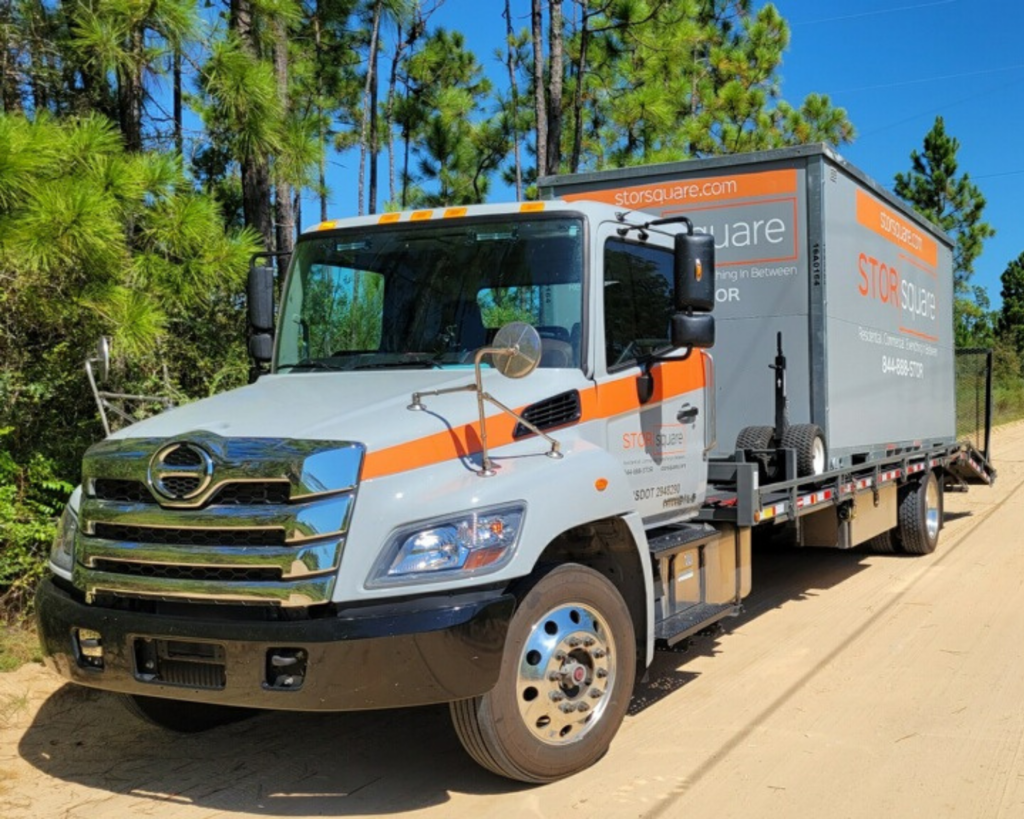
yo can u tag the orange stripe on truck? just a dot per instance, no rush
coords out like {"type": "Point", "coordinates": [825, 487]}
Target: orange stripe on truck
{"type": "Point", "coordinates": [896, 228]}
{"type": "Point", "coordinates": [694, 191]}
{"type": "Point", "coordinates": [599, 401]}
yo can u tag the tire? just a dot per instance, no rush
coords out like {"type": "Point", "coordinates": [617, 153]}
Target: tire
{"type": "Point", "coordinates": [758, 438]}
{"type": "Point", "coordinates": [566, 680]}
{"type": "Point", "coordinates": [811, 452]}
{"type": "Point", "coordinates": [182, 716]}
{"type": "Point", "coordinates": [882, 544]}
{"type": "Point", "coordinates": [920, 515]}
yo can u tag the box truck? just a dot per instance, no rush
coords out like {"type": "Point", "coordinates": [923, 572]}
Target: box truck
{"type": "Point", "coordinates": [503, 452]}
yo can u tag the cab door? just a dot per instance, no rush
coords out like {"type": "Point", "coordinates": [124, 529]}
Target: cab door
{"type": "Point", "coordinates": [653, 397]}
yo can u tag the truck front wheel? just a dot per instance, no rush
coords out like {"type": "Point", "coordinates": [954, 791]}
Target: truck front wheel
{"type": "Point", "coordinates": [566, 680]}
{"type": "Point", "coordinates": [182, 716]}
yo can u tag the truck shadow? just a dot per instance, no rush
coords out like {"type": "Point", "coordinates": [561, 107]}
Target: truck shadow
{"type": "Point", "coordinates": [781, 575]}
{"type": "Point", "coordinates": [275, 763]}
{"type": "Point", "coordinates": [293, 764]}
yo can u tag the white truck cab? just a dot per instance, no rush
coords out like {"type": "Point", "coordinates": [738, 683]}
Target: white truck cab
{"type": "Point", "coordinates": [385, 518]}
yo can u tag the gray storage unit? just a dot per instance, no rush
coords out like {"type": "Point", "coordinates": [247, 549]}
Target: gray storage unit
{"type": "Point", "coordinates": [860, 287]}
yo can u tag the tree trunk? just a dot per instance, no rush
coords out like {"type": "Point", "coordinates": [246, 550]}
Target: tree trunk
{"type": "Point", "coordinates": [179, 136]}
{"type": "Point", "coordinates": [129, 94]}
{"type": "Point", "coordinates": [374, 133]}
{"type": "Point", "coordinates": [514, 91]}
{"type": "Point", "coordinates": [321, 136]}
{"type": "Point", "coordinates": [10, 80]}
{"type": "Point", "coordinates": [255, 171]}
{"type": "Point", "coordinates": [283, 189]}
{"type": "Point", "coordinates": [555, 46]}
{"type": "Point", "coordinates": [389, 107]}
{"type": "Point", "coordinates": [539, 105]}
{"type": "Point", "coordinates": [577, 99]}
{"type": "Point", "coordinates": [368, 103]}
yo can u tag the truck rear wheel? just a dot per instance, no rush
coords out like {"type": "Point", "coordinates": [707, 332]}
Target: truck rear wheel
{"type": "Point", "coordinates": [758, 438]}
{"type": "Point", "coordinates": [182, 716]}
{"type": "Point", "coordinates": [811, 453]}
{"type": "Point", "coordinates": [566, 680]}
{"type": "Point", "coordinates": [920, 515]}
{"type": "Point", "coordinates": [882, 544]}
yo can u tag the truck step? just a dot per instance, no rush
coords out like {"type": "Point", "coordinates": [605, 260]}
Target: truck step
{"type": "Point", "coordinates": [689, 621]}
{"type": "Point", "coordinates": [669, 539]}
{"type": "Point", "coordinates": [973, 468]}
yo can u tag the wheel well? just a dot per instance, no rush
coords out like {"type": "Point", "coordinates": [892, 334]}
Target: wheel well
{"type": "Point", "coordinates": [607, 546]}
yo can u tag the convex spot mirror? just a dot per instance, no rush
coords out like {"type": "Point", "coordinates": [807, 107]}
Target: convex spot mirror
{"type": "Point", "coordinates": [693, 330]}
{"type": "Point", "coordinates": [694, 271]}
{"type": "Point", "coordinates": [516, 350]}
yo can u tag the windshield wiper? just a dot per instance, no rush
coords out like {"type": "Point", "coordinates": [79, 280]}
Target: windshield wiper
{"type": "Point", "coordinates": [311, 364]}
{"type": "Point", "coordinates": [418, 363]}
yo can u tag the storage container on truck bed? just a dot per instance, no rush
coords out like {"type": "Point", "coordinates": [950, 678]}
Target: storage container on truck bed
{"type": "Point", "coordinates": [860, 287]}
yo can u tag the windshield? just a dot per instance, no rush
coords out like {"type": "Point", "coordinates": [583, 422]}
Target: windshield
{"type": "Point", "coordinates": [425, 296]}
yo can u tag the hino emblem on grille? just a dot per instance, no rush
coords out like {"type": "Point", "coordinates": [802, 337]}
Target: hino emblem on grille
{"type": "Point", "coordinates": [180, 471]}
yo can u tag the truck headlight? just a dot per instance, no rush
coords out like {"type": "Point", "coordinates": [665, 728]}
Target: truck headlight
{"type": "Point", "coordinates": [474, 543]}
{"type": "Point", "coordinates": [62, 552]}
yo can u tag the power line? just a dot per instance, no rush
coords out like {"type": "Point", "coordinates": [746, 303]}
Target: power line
{"type": "Point", "coordinates": [935, 110]}
{"type": "Point", "coordinates": [930, 79]}
{"type": "Point", "coordinates": [873, 13]}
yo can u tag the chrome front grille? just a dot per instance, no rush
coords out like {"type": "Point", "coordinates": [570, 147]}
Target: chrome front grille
{"type": "Point", "coordinates": [269, 529]}
{"type": "Point", "coordinates": [190, 537]}
{"type": "Point", "coordinates": [217, 573]}
{"type": "Point", "coordinates": [250, 493]}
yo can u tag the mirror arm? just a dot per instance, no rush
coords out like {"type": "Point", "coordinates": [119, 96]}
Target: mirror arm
{"type": "Point", "coordinates": [487, 465]}
{"type": "Point", "coordinates": [100, 403]}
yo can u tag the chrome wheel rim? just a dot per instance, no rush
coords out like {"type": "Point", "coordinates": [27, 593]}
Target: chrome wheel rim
{"type": "Point", "coordinates": [566, 674]}
{"type": "Point", "coordinates": [818, 456]}
{"type": "Point", "coordinates": [931, 508]}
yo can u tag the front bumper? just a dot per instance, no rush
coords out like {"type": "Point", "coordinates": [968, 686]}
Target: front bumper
{"type": "Point", "coordinates": [418, 652]}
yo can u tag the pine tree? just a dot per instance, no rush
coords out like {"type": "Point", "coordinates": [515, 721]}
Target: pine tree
{"type": "Point", "coordinates": [936, 191]}
{"type": "Point", "coordinates": [954, 203]}
{"type": "Point", "coordinates": [1011, 316]}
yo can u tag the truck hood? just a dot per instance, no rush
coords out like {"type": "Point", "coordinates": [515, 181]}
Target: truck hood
{"type": "Point", "coordinates": [365, 407]}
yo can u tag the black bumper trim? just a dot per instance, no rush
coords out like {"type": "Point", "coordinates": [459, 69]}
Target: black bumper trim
{"type": "Point", "coordinates": [436, 650]}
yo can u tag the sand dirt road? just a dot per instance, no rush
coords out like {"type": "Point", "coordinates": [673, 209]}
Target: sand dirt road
{"type": "Point", "coordinates": [854, 685]}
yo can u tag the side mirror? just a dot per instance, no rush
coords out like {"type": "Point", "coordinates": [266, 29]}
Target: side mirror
{"type": "Point", "coordinates": [260, 292]}
{"type": "Point", "coordinates": [694, 271]}
{"type": "Point", "coordinates": [693, 330]}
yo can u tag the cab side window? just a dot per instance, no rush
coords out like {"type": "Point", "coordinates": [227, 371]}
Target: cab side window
{"type": "Point", "coordinates": [637, 300]}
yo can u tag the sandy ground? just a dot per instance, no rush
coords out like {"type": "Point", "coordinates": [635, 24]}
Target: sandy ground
{"type": "Point", "coordinates": [854, 685]}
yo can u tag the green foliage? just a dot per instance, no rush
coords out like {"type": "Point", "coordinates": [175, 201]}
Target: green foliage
{"type": "Point", "coordinates": [936, 191]}
{"type": "Point", "coordinates": [31, 498]}
{"type": "Point", "coordinates": [679, 79]}
{"type": "Point", "coordinates": [954, 203]}
{"type": "Point", "coordinates": [1011, 316]}
{"type": "Point", "coordinates": [95, 240]}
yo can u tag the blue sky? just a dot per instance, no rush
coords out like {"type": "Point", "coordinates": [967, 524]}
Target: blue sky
{"type": "Point", "coordinates": [893, 64]}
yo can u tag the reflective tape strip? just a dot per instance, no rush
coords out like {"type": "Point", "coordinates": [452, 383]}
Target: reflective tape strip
{"type": "Point", "coordinates": [814, 498]}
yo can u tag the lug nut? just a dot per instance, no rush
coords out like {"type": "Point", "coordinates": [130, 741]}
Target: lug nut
{"type": "Point", "coordinates": [572, 642]}
{"type": "Point", "coordinates": [599, 653]}
{"type": "Point", "coordinates": [567, 707]}
{"type": "Point", "coordinates": [557, 696]}
{"type": "Point", "coordinates": [588, 641]}
{"type": "Point", "coordinates": [602, 673]}
{"type": "Point", "coordinates": [560, 656]}
{"type": "Point", "coordinates": [595, 693]}
{"type": "Point", "coordinates": [582, 707]}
